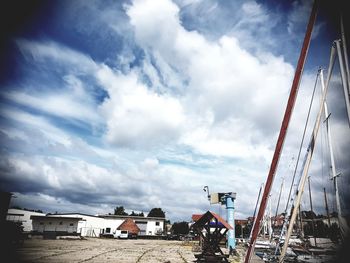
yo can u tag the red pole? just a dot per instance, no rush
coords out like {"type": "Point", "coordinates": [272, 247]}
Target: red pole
{"type": "Point", "coordinates": [283, 130]}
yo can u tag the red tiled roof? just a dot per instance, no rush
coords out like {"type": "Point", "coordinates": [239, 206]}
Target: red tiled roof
{"type": "Point", "coordinates": [208, 216]}
{"type": "Point", "coordinates": [129, 225]}
{"type": "Point", "coordinates": [195, 217]}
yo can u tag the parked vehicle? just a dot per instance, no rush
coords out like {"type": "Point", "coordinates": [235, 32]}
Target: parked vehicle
{"type": "Point", "coordinates": [124, 234]}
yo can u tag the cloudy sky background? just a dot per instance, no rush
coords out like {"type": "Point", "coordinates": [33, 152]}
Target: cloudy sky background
{"type": "Point", "coordinates": [142, 103]}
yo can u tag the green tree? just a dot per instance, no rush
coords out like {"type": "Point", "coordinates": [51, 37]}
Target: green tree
{"type": "Point", "coordinates": [119, 210]}
{"type": "Point", "coordinates": [156, 212]}
{"type": "Point", "coordinates": [180, 228]}
{"type": "Point", "coordinates": [137, 214]}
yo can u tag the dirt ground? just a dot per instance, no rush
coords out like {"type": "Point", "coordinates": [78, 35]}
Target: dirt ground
{"type": "Point", "coordinates": [106, 250]}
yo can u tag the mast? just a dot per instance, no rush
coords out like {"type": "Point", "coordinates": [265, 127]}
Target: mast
{"type": "Point", "coordinates": [309, 154]}
{"type": "Point", "coordinates": [345, 50]}
{"type": "Point", "coordinates": [342, 223]}
{"type": "Point", "coordinates": [278, 202]}
{"type": "Point", "coordinates": [256, 205]}
{"type": "Point", "coordinates": [312, 211]}
{"type": "Point", "coordinates": [343, 78]}
{"type": "Point", "coordinates": [284, 128]}
{"type": "Point", "coordinates": [326, 204]}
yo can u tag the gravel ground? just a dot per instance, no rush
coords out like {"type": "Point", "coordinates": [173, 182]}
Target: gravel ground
{"type": "Point", "coordinates": [108, 250]}
{"type": "Point", "coordinates": [103, 250]}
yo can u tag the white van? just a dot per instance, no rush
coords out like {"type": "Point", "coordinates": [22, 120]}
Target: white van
{"type": "Point", "coordinates": [124, 234]}
{"type": "Point", "coordinates": [121, 234]}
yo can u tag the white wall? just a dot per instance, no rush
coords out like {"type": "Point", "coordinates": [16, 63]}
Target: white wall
{"type": "Point", "coordinates": [19, 215]}
{"type": "Point", "coordinates": [55, 224]}
{"type": "Point", "coordinates": [153, 228]}
{"type": "Point", "coordinates": [93, 226]}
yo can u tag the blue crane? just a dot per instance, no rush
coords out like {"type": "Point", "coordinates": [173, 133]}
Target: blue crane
{"type": "Point", "coordinates": [226, 199]}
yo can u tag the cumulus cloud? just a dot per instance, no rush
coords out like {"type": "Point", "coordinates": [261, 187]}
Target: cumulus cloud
{"type": "Point", "coordinates": [181, 110]}
{"type": "Point", "coordinates": [217, 74]}
{"type": "Point", "coordinates": [135, 115]}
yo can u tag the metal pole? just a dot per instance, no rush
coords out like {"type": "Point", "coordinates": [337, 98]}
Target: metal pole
{"type": "Point", "coordinates": [312, 211]}
{"type": "Point", "coordinates": [343, 78]}
{"type": "Point", "coordinates": [301, 221]}
{"type": "Point", "coordinates": [326, 204]}
{"type": "Point", "coordinates": [278, 202]}
{"type": "Point", "coordinates": [310, 151]}
{"type": "Point", "coordinates": [256, 205]}
{"type": "Point", "coordinates": [284, 128]}
{"type": "Point", "coordinates": [231, 240]}
{"type": "Point", "coordinates": [342, 223]}
{"type": "Point", "coordinates": [345, 50]}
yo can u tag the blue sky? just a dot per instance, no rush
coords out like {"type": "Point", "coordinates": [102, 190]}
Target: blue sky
{"type": "Point", "coordinates": [142, 103]}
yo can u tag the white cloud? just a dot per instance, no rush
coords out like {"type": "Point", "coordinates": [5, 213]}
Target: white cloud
{"type": "Point", "coordinates": [226, 83]}
{"type": "Point", "coordinates": [51, 132]}
{"type": "Point", "coordinates": [65, 105]}
{"type": "Point", "coordinates": [135, 115]}
{"type": "Point", "coordinates": [207, 114]}
{"type": "Point", "coordinates": [39, 51]}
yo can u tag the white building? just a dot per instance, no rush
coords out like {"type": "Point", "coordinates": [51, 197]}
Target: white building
{"type": "Point", "coordinates": [149, 226]}
{"type": "Point", "coordinates": [93, 226]}
{"type": "Point", "coordinates": [22, 216]}
{"type": "Point", "coordinates": [54, 223]}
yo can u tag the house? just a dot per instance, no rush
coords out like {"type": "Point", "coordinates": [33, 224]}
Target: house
{"type": "Point", "coordinates": [23, 217]}
{"type": "Point", "coordinates": [130, 226]}
{"type": "Point", "coordinates": [149, 226]}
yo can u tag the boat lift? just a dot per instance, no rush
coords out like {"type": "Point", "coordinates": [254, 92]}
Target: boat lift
{"type": "Point", "coordinates": [226, 199]}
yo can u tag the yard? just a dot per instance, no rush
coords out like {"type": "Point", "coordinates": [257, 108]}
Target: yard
{"type": "Point", "coordinates": [90, 250]}
{"type": "Point", "coordinates": [103, 250]}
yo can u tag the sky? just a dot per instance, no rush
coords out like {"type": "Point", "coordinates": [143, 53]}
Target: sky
{"type": "Point", "coordinates": [142, 103]}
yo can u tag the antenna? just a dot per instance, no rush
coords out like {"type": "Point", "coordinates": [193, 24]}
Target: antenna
{"type": "Point", "coordinates": [206, 189]}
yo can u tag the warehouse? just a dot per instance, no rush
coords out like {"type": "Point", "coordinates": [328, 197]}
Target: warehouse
{"type": "Point", "coordinates": [94, 226]}
{"type": "Point", "coordinates": [60, 225]}
{"type": "Point", "coordinates": [23, 217]}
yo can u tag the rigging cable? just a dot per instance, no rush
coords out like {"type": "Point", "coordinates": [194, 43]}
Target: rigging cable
{"type": "Point", "coordinates": [297, 162]}
{"type": "Point", "coordinates": [302, 142]}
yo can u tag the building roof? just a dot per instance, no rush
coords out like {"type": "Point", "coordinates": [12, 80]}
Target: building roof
{"type": "Point", "coordinates": [208, 217]}
{"type": "Point", "coordinates": [77, 214]}
{"type": "Point", "coordinates": [133, 217]}
{"type": "Point", "coordinates": [129, 225]}
{"type": "Point", "coordinates": [55, 217]}
{"type": "Point", "coordinates": [195, 217]}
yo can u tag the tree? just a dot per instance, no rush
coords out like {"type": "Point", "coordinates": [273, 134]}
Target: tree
{"type": "Point", "coordinates": [180, 228]}
{"type": "Point", "coordinates": [137, 214]}
{"type": "Point", "coordinates": [119, 210]}
{"type": "Point", "coordinates": [156, 212]}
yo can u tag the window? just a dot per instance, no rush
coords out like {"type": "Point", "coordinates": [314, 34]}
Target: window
{"type": "Point", "coordinates": [140, 222]}
{"type": "Point", "coordinates": [41, 223]}
{"type": "Point", "coordinates": [108, 230]}
{"type": "Point", "coordinates": [157, 223]}
{"type": "Point", "coordinates": [61, 223]}
{"type": "Point", "coordinates": [71, 224]}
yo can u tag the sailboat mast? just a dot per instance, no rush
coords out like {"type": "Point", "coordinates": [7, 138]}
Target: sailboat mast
{"type": "Point", "coordinates": [284, 128]}
{"type": "Point", "coordinates": [312, 211]}
{"type": "Point", "coordinates": [343, 78]}
{"type": "Point", "coordinates": [326, 204]}
{"type": "Point", "coordinates": [310, 151]}
{"type": "Point", "coordinates": [279, 198]}
{"type": "Point", "coordinates": [345, 50]}
{"type": "Point", "coordinates": [334, 177]}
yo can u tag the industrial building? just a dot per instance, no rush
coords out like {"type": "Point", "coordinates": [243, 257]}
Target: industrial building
{"type": "Point", "coordinates": [23, 217]}
{"type": "Point", "coordinates": [84, 224]}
